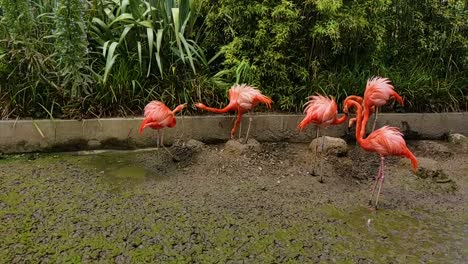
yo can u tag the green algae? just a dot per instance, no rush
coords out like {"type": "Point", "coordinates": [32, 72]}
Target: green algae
{"type": "Point", "coordinates": [96, 208]}
{"type": "Point", "coordinates": [402, 237]}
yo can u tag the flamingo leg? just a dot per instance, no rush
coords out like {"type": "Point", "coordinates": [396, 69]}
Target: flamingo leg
{"type": "Point", "coordinates": [316, 150]}
{"type": "Point", "coordinates": [321, 158]}
{"type": "Point", "coordinates": [382, 178]}
{"type": "Point", "coordinates": [162, 137]}
{"type": "Point", "coordinates": [375, 119]}
{"type": "Point", "coordinates": [248, 128]}
{"type": "Point", "coordinates": [233, 131]}
{"type": "Point", "coordinates": [240, 130]}
{"type": "Point", "coordinates": [377, 179]}
{"type": "Point", "coordinates": [157, 138]}
{"type": "Point", "coordinates": [161, 142]}
{"type": "Point", "coordinates": [169, 152]}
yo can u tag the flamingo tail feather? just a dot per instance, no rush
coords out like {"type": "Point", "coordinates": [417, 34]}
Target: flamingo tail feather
{"type": "Point", "coordinates": [398, 98]}
{"type": "Point", "coordinates": [265, 99]}
{"type": "Point", "coordinates": [304, 123]}
{"type": "Point", "coordinates": [143, 125]}
{"type": "Point", "coordinates": [414, 161]}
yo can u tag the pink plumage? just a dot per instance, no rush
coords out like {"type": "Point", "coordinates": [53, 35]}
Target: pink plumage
{"type": "Point", "coordinates": [245, 97]}
{"type": "Point", "coordinates": [158, 115]}
{"type": "Point", "coordinates": [388, 141]}
{"type": "Point", "coordinates": [242, 98]}
{"type": "Point", "coordinates": [379, 91]}
{"type": "Point", "coordinates": [320, 110]}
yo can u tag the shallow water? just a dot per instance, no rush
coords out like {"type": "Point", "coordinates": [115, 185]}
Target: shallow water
{"type": "Point", "coordinates": [122, 171]}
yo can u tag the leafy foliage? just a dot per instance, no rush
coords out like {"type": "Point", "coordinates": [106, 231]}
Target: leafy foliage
{"type": "Point", "coordinates": [18, 17]}
{"type": "Point", "coordinates": [71, 45]}
{"type": "Point", "coordinates": [76, 58]}
{"type": "Point", "coordinates": [296, 48]}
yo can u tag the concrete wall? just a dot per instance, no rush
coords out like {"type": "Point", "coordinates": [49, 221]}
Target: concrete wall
{"type": "Point", "coordinates": [43, 135]}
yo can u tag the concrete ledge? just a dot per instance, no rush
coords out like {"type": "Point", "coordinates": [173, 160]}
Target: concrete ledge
{"type": "Point", "coordinates": [45, 135]}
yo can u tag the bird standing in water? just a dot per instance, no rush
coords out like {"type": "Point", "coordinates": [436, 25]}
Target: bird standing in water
{"type": "Point", "coordinates": [378, 92]}
{"type": "Point", "coordinates": [385, 141]}
{"type": "Point", "coordinates": [242, 98]}
{"type": "Point", "coordinates": [158, 116]}
{"type": "Point", "coordinates": [323, 112]}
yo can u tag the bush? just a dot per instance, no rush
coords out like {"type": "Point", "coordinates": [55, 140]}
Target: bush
{"type": "Point", "coordinates": [76, 58]}
{"type": "Point", "coordinates": [71, 46]}
{"type": "Point", "coordinates": [296, 48]}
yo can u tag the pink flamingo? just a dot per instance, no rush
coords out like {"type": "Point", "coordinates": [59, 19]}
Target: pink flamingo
{"type": "Point", "coordinates": [354, 98]}
{"type": "Point", "coordinates": [378, 92]}
{"type": "Point", "coordinates": [385, 141]}
{"type": "Point", "coordinates": [323, 112]}
{"type": "Point", "coordinates": [242, 98]}
{"type": "Point", "coordinates": [159, 116]}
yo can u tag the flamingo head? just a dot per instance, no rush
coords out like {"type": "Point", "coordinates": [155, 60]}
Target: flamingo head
{"type": "Point", "coordinates": [179, 108]}
{"type": "Point", "coordinates": [200, 105]}
{"type": "Point", "coordinates": [351, 122]}
{"type": "Point", "coordinates": [345, 109]}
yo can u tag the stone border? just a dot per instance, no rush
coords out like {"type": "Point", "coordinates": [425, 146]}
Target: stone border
{"type": "Point", "coordinates": [122, 133]}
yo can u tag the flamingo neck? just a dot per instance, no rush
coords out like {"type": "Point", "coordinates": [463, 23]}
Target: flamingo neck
{"type": "Point", "coordinates": [217, 110]}
{"type": "Point", "coordinates": [354, 98]}
{"type": "Point", "coordinates": [365, 118]}
{"type": "Point", "coordinates": [359, 123]}
{"type": "Point", "coordinates": [179, 108]}
{"type": "Point", "coordinates": [340, 120]}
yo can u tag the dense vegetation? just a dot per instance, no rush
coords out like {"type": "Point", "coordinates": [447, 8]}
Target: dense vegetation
{"type": "Point", "coordinates": [77, 58]}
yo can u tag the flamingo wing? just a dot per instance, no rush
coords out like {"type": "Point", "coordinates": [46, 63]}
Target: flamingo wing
{"type": "Point", "coordinates": [387, 141]}
{"type": "Point", "coordinates": [158, 111]}
{"type": "Point", "coordinates": [158, 115]}
{"type": "Point", "coordinates": [379, 91]}
{"type": "Point", "coordinates": [247, 97]}
{"type": "Point", "coordinates": [319, 110]}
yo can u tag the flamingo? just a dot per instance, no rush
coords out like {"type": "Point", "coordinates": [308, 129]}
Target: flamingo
{"type": "Point", "coordinates": [385, 141]}
{"type": "Point", "coordinates": [158, 116]}
{"type": "Point", "coordinates": [242, 98]}
{"type": "Point", "coordinates": [378, 92]}
{"type": "Point", "coordinates": [323, 112]}
{"type": "Point", "coordinates": [356, 98]}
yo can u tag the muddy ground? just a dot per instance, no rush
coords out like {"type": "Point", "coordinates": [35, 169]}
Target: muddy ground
{"type": "Point", "coordinates": [219, 206]}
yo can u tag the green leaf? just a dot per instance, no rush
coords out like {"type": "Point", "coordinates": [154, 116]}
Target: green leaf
{"type": "Point", "coordinates": [110, 60]}
{"type": "Point", "coordinates": [150, 33]}
{"type": "Point", "coordinates": [123, 6]}
{"type": "Point", "coordinates": [184, 6]}
{"type": "Point", "coordinates": [100, 23]}
{"type": "Point", "coordinates": [125, 32]}
{"type": "Point", "coordinates": [139, 54]}
{"type": "Point", "coordinates": [215, 56]}
{"type": "Point", "coordinates": [187, 49]}
{"type": "Point", "coordinates": [104, 48]}
{"type": "Point", "coordinates": [126, 17]}
{"type": "Point", "coordinates": [175, 17]}
{"type": "Point", "coordinates": [159, 36]}
{"type": "Point", "coordinates": [146, 23]}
